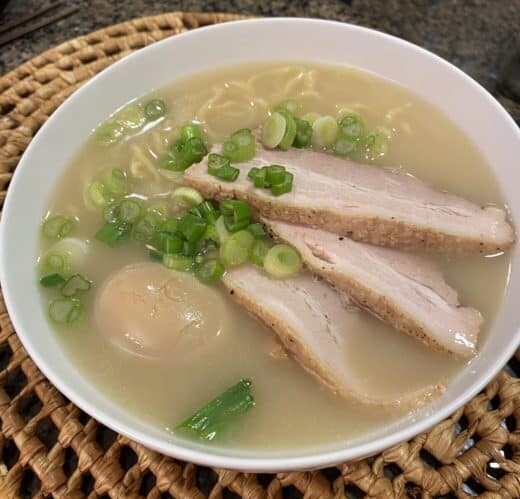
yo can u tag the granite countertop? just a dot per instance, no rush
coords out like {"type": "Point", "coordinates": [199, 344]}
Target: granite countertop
{"type": "Point", "coordinates": [476, 35]}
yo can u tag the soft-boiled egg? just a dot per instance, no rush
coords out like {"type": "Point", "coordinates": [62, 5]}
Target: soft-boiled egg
{"type": "Point", "coordinates": [149, 310]}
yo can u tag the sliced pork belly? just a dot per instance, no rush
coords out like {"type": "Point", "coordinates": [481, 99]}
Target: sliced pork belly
{"type": "Point", "coordinates": [311, 320]}
{"type": "Point", "coordinates": [407, 291]}
{"type": "Point", "coordinates": [367, 203]}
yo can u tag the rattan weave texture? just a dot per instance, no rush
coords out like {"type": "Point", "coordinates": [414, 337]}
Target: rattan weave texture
{"type": "Point", "coordinates": [49, 448]}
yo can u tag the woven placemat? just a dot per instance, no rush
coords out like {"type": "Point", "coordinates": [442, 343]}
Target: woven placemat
{"type": "Point", "coordinates": [49, 448]}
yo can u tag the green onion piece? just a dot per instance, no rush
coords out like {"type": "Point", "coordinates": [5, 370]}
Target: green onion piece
{"type": "Point", "coordinates": [159, 211]}
{"type": "Point", "coordinates": [190, 131]}
{"type": "Point", "coordinates": [58, 226]}
{"type": "Point", "coordinates": [168, 243]}
{"type": "Point", "coordinates": [192, 227]}
{"type": "Point", "coordinates": [256, 229]}
{"type": "Point", "coordinates": [115, 182]}
{"type": "Point", "coordinates": [65, 310]}
{"type": "Point", "coordinates": [253, 172]}
{"type": "Point", "coordinates": [236, 214]}
{"type": "Point", "coordinates": [51, 280]}
{"type": "Point", "coordinates": [273, 130]}
{"type": "Point", "coordinates": [228, 173]}
{"type": "Point", "coordinates": [154, 109]}
{"type": "Point", "coordinates": [195, 211]}
{"type": "Point", "coordinates": [275, 174]}
{"type": "Point", "coordinates": [212, 419]}
{"type": "Point", "coordinates": [170, 225]}
{"type": "Point", "coordinates": [130, 116]}
{"type": "Point", "coordinates": [96, 192]}
{"type": "Point", "coordinates": [144, 229]}
{"type": "Point", "coordinates": [176, 147]}
{"type": "Point", "coordinates": [351, 127]}
{"type": "Point", "coordinates": [259, 177]}
{"type": "Point", "coordinates": [211, 234]}
{"type": "Point", "coordinates": [216, 162]}
{"type": "Point", "coordinates": [129, 210]}
{"type": "Point", "coordinates": [290, 132]}
{"type": "Point", "coordinates": [222, 232]}
{"type": "Point", "coordinates": [187, 196]}
{"type": "Point", "coordinates": [75, 284]}
{"type": "Point", "coordinates": [344, 147]}
{"type": "Point", "coordinates": [208, 211]}
{"type": "Point", "coordinates": [284, 186]}
{"type": "Point", "coordinates": [178, 262]}
{"type": "Point", "coordinates": [240, 147]}
{"type": "Point", "coordinates": [209, 271]}
{"type": "Point", "coordinates": [282, 261]}
{"type": "Point", "coordinates": [155, 254]}
{"type": "Point", "coordinates": [289, 106]}
{"type": "Point", "coordinates": [111, 213]}
{"type": "Point", "coordinates": [109, 133]}
{"type": "Point", "coordinates": [193, 152]}
{"type": "Point", "coordinates": [237, 248]}
{"type": "Point", "coordinates": [258, 252]}
{"type": "Point", "coordinates": [111, 234]}
{"type": "Point", "coordinates": [169, 162]}
{"type": "Point", "coordinates": [324, 131]}
{"type": "Point", "coordinates": [311, 117]}
{"type": "Point", "coordinates": [375, 145]}
{"type": "Point", "coordinates": [303, 133]}
{"type": "Point", "coordinates": [58, 262]}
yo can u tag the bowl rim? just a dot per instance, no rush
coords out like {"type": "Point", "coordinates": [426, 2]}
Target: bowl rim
{"type": "Point", "coordinates": [315, 458]}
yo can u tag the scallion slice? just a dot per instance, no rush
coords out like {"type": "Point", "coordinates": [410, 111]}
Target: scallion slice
{"type": "Point", "coordinates": [154, 109]}
{"type": "Point", "coordinates": [290, 132]}
{"type": "Point", "coordinates": [192, 227]}
{"type": "Point", "coordinates": [170, 225]}
{"type": "Point", "coordinates": [190, 131]}
{"type": "Point", "coordinates": [187, 196]}
{"type": "Point", "coordinates": [344, 146]}
{"type": "Point", "coordinates": [96, 192]}
{"type": "Point", "coordinates": [168, 243]}
{"type": "Point", "coordinates": [375, 144]}
{"type": "Point", "coordinates": [257, 230]}
{"type": "Point", "coordinates": [115, 182]}
{"type": "Point", "coordinates": [155, 254]}
{"type": "Point", "coordinates": [282, 261]}
{"type": "Point", "coordinates": [284, 186]}
{"type": "Point", "coordinates": [222, 232]}
{"type": "Point", "coordinates": [129, 210]}
{"type": "Point", "coordinates": [236, 214]}
{"type": "Point", "coordinates": [51, 280]}
{"type": "Point", "coordinates": [112, 233]}
{"type": "Point", "coordinates": [290, 106]}
{"type": "Point", "coordinates": [178, 262]}
{"type": "Point", "coordinates": [258, 252]}
{"type": "Point", "coordinates": [75, 284]}
{"type": "Point", "coordinates": [58, 226]}
{"type": "Point", "coordinates": [212, 419]}
{"type": "Point", "coordinates": [130, 116]}
{"type": "Point", "coordinates": [144, 229]}
{"type": "Point", "coordinates": [351, 127]}
{"type": "Point", "coordinates": [310, 117]}
{"type": "Point", "coordinates": [273, 130]}
{"type": "Point", "coordinates": [240, 147]}
{"type": "Point", "coordinates": [259, 177]}
{"type": "Point", "coordinates": [208, 211]}
{"type": "Point", "coordinates": [275, 174]}
{"type": "Point", "coordinates": [56, 261]}
{"type": "Point", "coordinates": [303, 136]}
{"type": "Point", "coordinates": [65, 310]}
{"type": "Point", "coordinates": [237, 248]}
{"type": "Point", "coordinates": [109, 133]}
{"type": "Point", "coordinates": [209, 270]}
{"type": "Point", "coordinates": [324, 131]}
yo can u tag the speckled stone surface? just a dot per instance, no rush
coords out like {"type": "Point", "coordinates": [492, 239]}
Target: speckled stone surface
{"type": "Point", "coordinates": [476, 35]}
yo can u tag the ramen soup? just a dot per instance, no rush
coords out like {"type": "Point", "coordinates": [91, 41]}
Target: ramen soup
{"type": "Point", "coordinates": [181, 282]}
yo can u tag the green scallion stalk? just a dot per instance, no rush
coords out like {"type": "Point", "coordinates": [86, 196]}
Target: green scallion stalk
{"type": "Point", "coordinates": [75, 284]}
{"type": "Point", "coordinates": [167, 242]}
{"type": "Point", "coordinates": [170, 162]}
{"type": "Point", "coordinates": [273, 130]}
{"type": "Point", "coordinates": [375, 144]}
{"type": "Point", "coordinates": [290, 132]}
{"type": "Point", "coordinates": [129, 210]}
{"type": "Point", "coordinates": [155, 254]}
{"type": "Point", "coordinates": [190, 131]}
{"type": "Point", "coordinates": [170, 225]}
{"type": "Point", "coordinates": [228, 173]}
{"type": "Point", "coordinates": [237, 214]}
{"type": "Point", "coordinates": [115, 182]}
{"type": "Point", "coordinates": [237, 248]}
{"type": "Point", "coordinates": [56, 261]}
{"type": "Point", "coordinates": [324, 131]}
{"type": "Point", "coordinates": [310, 117]}
{"type": "Point", "coordinates": [51, 280]}
{"type": "Point", "coordinates": [258, 252]}
{"type": "Point", "coordinates": [216, 162]}
{"type": "Point", "coordinates": [58, 227]}
{"type": "Point", "coordinates": [275, 174]}
{"type": "Point", "coordinates": [208, 211]}
{"type": "Point", "coordinates": [282, 261]}
{"type": "Point", "coordinates": [222, 232]}
{"type": "Point", "coordinates": [259, 177]}
{"type": "Point", "coordinates": [178, 262]}
{"type": "Point", "coordinates": [284, 186]}
{"type": "Point", "coordinates": [65, 310]}
{"type": "Point", "coordinates": [154, 109]}
{"type": "Point", "coordinates": [351, 127]}
{"type": "Point", "coordinates": [113, 233]}
{"type": "Point", "coordinates": [145, 227]}
{"type": "Point", "coordinates": [344, 146]}
{"type": "Point", "coordinates": [130, 116]}
{"type": "Point", "coordinates": [97, 194]}
{"type": "Point", "coordinates": [212, 419]}
{"type": "Point", "coordinates": [192, 227]}
{"type": "Point", "coordinates": [209, 271]}
{"type": "Point", "coordinates": [303, 136]}
{"type": "Point", "coordinates": [193, 151]}
{"type": "Point", "coordinates": [187, 196]}
{"type": "Point", "coordinates": [240, 147]}
{"type": "Point", "coordinates": [109, 133]}
{"type": "Point", "coordinates": [256, 229]}
{"type": "Point", "coordinates": [111, 213]}
{"type": "Point", "coordinates": [289, 106]}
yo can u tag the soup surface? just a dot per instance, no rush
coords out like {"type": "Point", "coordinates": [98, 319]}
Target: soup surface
{"type": "Point", "coordinates": [170, 379]}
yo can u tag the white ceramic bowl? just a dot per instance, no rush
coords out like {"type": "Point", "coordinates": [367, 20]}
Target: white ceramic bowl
{"type": "Point", "coordinates": [459, 97]}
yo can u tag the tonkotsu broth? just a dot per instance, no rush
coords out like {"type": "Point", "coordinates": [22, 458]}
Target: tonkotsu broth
{"type": "Point", "coordinates": [293, 410]}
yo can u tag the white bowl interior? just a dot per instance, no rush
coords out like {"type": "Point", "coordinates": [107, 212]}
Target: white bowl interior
{"type": "Point", "coordinates": [450, 90]}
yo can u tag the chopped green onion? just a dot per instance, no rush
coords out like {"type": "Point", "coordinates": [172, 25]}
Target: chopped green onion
{"type": "Point", "coordinates": [190, 131]}
{"type": "Point", "coordinates": [192, 152]}
{"type": "Point", "coordinates": [351, 127]}
{"type": "Point", "coordinates": [290, 132]}
{"type": "Point", "coordinates": [176, 147]}
{"type": "Point", "coordinates": [53, 260]}
{"type": "Point", "coordinates": [275, 174]}
{"type": "Point", "coordinates": [111, 213]}
{"type": "Point", "coordinates": [209, 271]}
{"type": "Point", "coordinates": [288, 106]}
{"type": "Point", "coordinates": [256, 229]}
{"type": "Point", "coordinates": [282, 261]}
{"type": "Point", "coordinates": [144, 229]}
{"type": "Point", "coordinates": [187, 196]}
{"type": "Point", "coordinates": [155, 254]}
{"type": "Point", "coordinates": [112, 233]}
{"type": "Point", "coordinates": [65, 310]}
{"type": "Point", "coordinates": [344, 146]}
{"type": "Point", "coordinates": [259, 177]}
{"type": "Point", "coordinates": [236, 214]}
{"type": "Point", "coordinates": [211, 234]}
{"type": "Point", "coordinates": [170, 225]}
{"type": "Point", "coordinates": [237, 248]}
{"type": "Point", "coordinates": [159, 211]}
{"type": "Point", "coordinates": [311, 117]}
{"type": "Point", "coordinates": [51, 280]}
{"type": "Point", "coordinates": [96, 192]}
{"type": "Point", "coordinates": [115, 182]}
{"type": "Point", "coordinates": [216, 162]}
{"type": "Point", "coordinates": [324, 131]}
{"type": "Point", "coordinates": [228, 173]}
{"type": "Point", "coordinates": [222, 232]}
{"type": "Point", "coordinates": [130, 116]}
{"type": "Point", "coordinates": [58, 226]}
{"type": "Point", "coordinates": [375, 144]}
{"type": "Point", "coordinates": [154, 109]}
{"type": "Point", "coordinates": [168, 243]}
{"type": "Point", "coordinates": [215, 416]}
{"type": "Point", "coordinates": [129, 210]}
{"type": "Point", "coordinates": [273, 130]}
{"type": "Point", "coordinates": [192, 248]}
{"type": "Point", "coordinates": [109, 133]}
{"type": "Point", "coordinates": [74, 285]}
{"type": "Point", "coordinates": [284, 186]}
{"type": "Point", "coordinates": [192, 227]}
{"type": "Point", "coordinates": [208, 211]}
{"type": "Point", "coordinates": [240, 147]}
{"type": "Point", "coordinates": [303, 133]}
{"type": "Point", "coordinates": [169, 162]}
{"type": "Point", "coordinates": [195, 211]}
{"type": "Point", "coordinates": [258, 252]}
{"type": "Point", "coordinates": [178, 262]}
